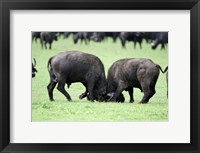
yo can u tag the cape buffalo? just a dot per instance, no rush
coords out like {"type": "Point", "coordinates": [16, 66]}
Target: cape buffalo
{"type": "Point", "coordinates": [113, 35]}
{"type": "Point", "coordinates": [34, 70]}
{"type": "Point", "coordinates": [125, 74]}
{"type": "Point", "coordinates": [35, 36]}
{"type": "Point", "coordinates": [74, 66]}
{"type": "Point", "coordinates": [161, 38]}
{"type": "Point", "coordinates": [83, 36]}
{"type": "Point", "coordinates": [131, 36]}
{"type": "Point", "coordinates": [47, 37]}
{"type": "Point", "coordinates": [98, 36]}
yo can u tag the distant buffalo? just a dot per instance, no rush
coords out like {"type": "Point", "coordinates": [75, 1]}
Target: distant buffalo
{"type": "Point", "coordinates": [161, 39]}
{"type": "Point", "coordinates": [74, 66]}
{"type": "Point", "coordinates": [125, 74]}
{"type": "Point", "coordinates": [113, 35]}
{"type": "Point", "coordinates": [35, 36]}
{"type": "Point", "coordinates": [98, 36]}
{"type": "Point", "coordinates": [47, 37]}
{"type": "Point", "coordinates": [150, 36]}
{"type": "Point", "coordinates": [135, 37]}
{"type": "Point", "coordinates": [83, 36]}
{"type": "Point", "coordinates": [34, 70]}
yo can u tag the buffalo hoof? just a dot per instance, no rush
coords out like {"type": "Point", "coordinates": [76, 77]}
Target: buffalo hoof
{"type": "Point", "coordinates": [131, 101]}
{"type": "Point", "coordinates": [91, 100]}
{"type": "Point", "coordinates": [143, 102]}
{"type": "Point", "coordinates": [70, 100]}
{"type": "Point", "coordinates": [51, 99]}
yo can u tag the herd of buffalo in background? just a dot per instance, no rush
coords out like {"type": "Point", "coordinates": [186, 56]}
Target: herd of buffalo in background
{"type": "Point", "coordinates": [123, 75]}
{"type": "Point", "coordinates": [153, 38]}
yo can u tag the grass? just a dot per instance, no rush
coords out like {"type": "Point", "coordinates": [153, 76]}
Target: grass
{"type": "Point", "coordinates": [83, 110]}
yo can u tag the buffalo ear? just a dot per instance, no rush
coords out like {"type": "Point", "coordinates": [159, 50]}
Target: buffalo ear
{"type": "Point", "coordinates": [109, 96]}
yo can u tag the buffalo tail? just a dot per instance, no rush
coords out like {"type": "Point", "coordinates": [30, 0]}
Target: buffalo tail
{"type": "Point", "coordinates": [161, 68]}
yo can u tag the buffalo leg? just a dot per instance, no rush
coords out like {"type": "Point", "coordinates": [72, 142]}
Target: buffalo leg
{"type": "Point", "coordinates": [147, 96]}
{"type": "Point", "coordinates": [90, 87]}
{"type": "Point", "coordinates": [90, 90]}
{"type": "Point", "coordinates": [117, 93]}
{"type": "Point", "coordinates": [153, 91]}
{"type": "Point", "coordinates": [41, 42]}
{"type": "Point", "coordinates": [120, 98]}
{"type": "Point", "coordinates": [50, 89]}
{"type": "Point", "coordinates": [45, 45]}
{"type": "Point", "coordinates": [119, 90]}
{"type": "Point", "coordinates": [130, 91]}
{"type": "Point", "coordinates": [123, 42]}
{"type": "Point", "coordinates": [162, 46]}
{"type": "Point", "coordinates": [61, 88]}
{"type": "Point", "coordinates": [134, 44]}
{"type": "Point", "coordinates": [148, 93]}
{"type": "Point", "coordinates": [114, 38]}
{"type": "Point", "coordinates": [140, 44]}
{"type": "Point", "coordinates": [50, 46]}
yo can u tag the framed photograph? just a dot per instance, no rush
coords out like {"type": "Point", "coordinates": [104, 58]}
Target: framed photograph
{"type": "Point", "coordinates": [96, 76]}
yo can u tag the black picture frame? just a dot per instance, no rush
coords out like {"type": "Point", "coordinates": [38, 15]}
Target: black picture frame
{"type": "Point", "coordinates": [7, 5]}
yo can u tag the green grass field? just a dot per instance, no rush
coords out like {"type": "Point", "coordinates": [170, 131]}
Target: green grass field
{"type": "Point", "coordinates": [83, 110]}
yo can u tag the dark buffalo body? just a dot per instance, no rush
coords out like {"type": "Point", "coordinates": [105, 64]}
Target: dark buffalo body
{"type": "Point", "coordinates": [74, 66]}
{"type": "Point", "coordinates": [34, 70]}
{"type": "Point", "coordinates": [47, 37]}
{"type": "Point", "coordinates": [126, 74]}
